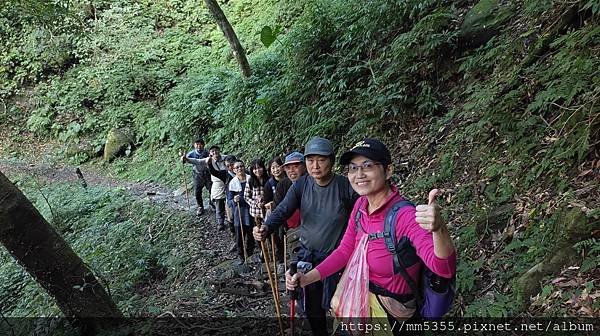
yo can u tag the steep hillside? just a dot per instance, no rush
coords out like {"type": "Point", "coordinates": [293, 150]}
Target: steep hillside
{"type": "Point", "coordinates": [495, 102]}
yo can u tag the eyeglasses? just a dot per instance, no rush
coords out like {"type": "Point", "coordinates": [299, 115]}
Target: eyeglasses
{"type": "Point", "coordinates": [238, 167]}
{"type": "Point", "coordinates": [366, 167]}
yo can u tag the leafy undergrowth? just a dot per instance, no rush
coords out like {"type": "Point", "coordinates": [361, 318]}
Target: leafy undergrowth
{"type": "Point", "coordinates": [127, 242]}
{"type": "Point", "coordinates": [154, 258]}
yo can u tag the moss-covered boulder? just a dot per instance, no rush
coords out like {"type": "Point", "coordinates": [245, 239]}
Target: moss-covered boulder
{"type": "Point", "coordinates": [571, 226]}
{"type": "Point", "coordinates": [483, 22]}
{"type": "Point", "coordinates": [529, 284]}
{"type": "Point", "coordinates": [118, 141]}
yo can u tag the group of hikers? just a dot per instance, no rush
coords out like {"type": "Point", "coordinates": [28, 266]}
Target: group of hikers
{"type": "Point", "coordinates": [343, 222]}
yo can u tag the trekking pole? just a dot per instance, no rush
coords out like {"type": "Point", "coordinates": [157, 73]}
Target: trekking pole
{"type": "Point", "coordinates": [275, 266]}
{"type": "Point", "coordinates": [266, 257]}
{"type": "Point", "coordinates": [293, 297]}
{"type": "Point", "coordinates": [276, 278]}
{"type": "Point", "coordinates": [242, 232]}
{"type": "Point", "coordinates": [187, 197]}
{"type": "Point", "coordinates": [285, 253]}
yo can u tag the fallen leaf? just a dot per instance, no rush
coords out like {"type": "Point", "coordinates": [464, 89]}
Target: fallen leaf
{"type": "Point", "coordinates": [585, 172]}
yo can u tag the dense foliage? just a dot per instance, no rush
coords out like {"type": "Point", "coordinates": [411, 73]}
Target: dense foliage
{"type": "Point", "coordinates": [509, 119]}
{"type": "Point", "coordinates": [123, 240]}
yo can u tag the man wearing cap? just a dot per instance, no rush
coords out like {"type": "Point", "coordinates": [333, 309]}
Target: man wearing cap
{"type": "Point", "coordinates": [294, 168]}
{"type": "Point", "coordinates": [325, 201]}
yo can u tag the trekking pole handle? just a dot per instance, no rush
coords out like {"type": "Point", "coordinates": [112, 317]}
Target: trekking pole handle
{"type": "Point", "coordinates": [294, 270]}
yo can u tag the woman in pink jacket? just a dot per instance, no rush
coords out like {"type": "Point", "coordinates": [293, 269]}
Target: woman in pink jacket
{"type": "Point", "coordinates": [369, 171]}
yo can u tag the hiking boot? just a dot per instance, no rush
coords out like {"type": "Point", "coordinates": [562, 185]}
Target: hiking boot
{"type": "Point", "coordinates": [221, 227]}
{"type": "Point", "coordinates": [199, 211]}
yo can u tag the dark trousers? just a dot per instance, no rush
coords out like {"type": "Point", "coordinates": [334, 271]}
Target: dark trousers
{"type": "Point", "coordinates": [279, 243]}
{"type": "Point", "coordinates": [249, 240]}
{"type": "Point", "coordinates": [201, 181]}
{"type": "Point", "coordinates": [313, 296]}
{"type": "Point", "coordinates": [220, 212]}
{"type": "Point", "coordinates": [317, 296]}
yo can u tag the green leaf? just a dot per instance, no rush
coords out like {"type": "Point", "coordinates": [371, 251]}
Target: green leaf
{"type": "Point", "coordinates": [268, 35]}
{"type": "Point", "coordinates": [263, 100]}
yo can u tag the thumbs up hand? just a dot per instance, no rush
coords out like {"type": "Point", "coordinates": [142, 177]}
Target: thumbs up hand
{"type": "Point", "coordinates": [428, 216]}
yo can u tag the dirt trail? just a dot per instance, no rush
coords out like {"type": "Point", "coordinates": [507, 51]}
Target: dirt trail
{"type": "Point", "coordinates": [61, 173]}
{"type": "Point", "coordinates": [224, 286]}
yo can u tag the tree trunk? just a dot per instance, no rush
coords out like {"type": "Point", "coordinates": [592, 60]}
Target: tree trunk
{"type": "Point", "coordinates": [34, 243]}
{"type": "Point", "coordinates": [238, 50]}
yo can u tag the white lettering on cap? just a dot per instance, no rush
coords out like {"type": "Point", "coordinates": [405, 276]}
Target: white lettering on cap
{"type": "Point", "coordinates": [360, 144]}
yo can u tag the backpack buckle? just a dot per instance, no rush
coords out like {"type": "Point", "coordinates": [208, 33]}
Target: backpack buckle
{"type": "Point", "coordinates": [376, 235]}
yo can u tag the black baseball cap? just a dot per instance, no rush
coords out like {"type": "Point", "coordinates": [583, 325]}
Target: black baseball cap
{"type": "Point", "coordinates": [370, 148]}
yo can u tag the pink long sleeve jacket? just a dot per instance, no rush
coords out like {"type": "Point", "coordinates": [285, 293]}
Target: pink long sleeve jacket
{"type": "Point", "coordinates": [379, 259]}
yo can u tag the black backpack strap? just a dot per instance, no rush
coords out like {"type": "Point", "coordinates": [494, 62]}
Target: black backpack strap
{"type": "Point", "coordinates": [357, 216]}
{"type": "Point", "coordinates": [389, 232]}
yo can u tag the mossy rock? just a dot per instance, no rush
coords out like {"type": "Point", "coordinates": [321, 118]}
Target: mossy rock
{"type": "Point", "coordinates": [230, 269]}
{"type": "Point", "coordinates": [529, 284]}
{"type": "Point", "coordinates": [483, 22]}
{"type": "Point", "coordinates": [572, 225]}
{"type": "Point", "coordinates": [117, 142]}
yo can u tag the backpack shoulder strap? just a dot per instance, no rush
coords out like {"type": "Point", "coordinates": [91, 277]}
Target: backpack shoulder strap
{"type": "Point", "coordinates": [389, 233]}
{"type": "Point", "coordinates": [389, 226]}
{"type": "Point", "coordinates": [357, 216]}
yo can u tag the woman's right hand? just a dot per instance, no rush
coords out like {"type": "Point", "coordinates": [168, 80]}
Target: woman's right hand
{"type": "Point", "coordinates": [236, 198]}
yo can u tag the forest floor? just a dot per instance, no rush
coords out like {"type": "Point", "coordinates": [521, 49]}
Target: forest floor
{"type": "Point", "coordinates": [225, 288]}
